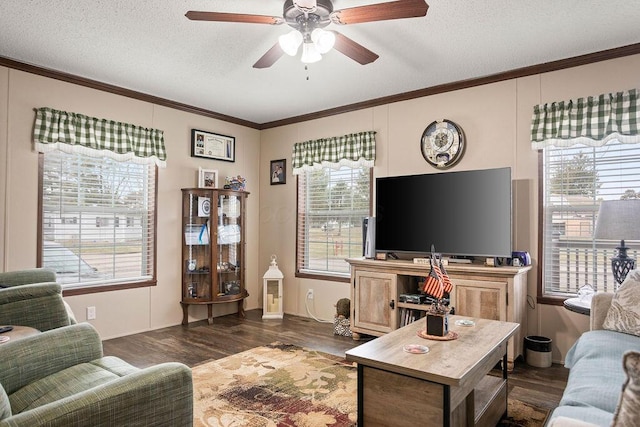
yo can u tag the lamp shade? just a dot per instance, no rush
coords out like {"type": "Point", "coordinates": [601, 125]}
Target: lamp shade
{"type": "Point", "coordinates": [290, 42]}
{"type": "Point", "coordinates": [324, 40]}
{"type": "Point", "coordinates": [618, 220]}
{"type": "Point", "coordinates": [310, 53]}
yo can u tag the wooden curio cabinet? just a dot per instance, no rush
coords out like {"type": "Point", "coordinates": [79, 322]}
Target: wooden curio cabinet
{"type": "Point", "coordinates": [213, 249]}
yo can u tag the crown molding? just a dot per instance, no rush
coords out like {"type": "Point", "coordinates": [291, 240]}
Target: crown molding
{"type": "Point", "coordinates": [546, 67]}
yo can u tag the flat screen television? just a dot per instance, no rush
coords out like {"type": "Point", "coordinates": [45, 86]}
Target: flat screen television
{"type": "Point", "coordinates": [464, 214]}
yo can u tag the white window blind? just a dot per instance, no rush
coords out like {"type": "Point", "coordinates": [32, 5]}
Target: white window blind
{"type": "Point", "coordinates": [576, 180]}
{"type": "Point", "coordinates": [98, 220]}
{"type": "Point", "coordinates": [331, 206]}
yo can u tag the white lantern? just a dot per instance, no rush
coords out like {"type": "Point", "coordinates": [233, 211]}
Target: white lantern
{"type": "Point", "coordinates": [272, 304]}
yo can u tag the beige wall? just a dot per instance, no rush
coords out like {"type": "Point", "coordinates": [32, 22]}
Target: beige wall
{"type": "Point", "coordinates": [495, 117]}
{"type": "Point", "coordinates": [496, 120]}
{"type": "Point", "coordinates": [128, 311]}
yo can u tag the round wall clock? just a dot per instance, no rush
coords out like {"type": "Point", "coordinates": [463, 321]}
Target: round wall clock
{"type": "Point", "coordinates": [442, 143]}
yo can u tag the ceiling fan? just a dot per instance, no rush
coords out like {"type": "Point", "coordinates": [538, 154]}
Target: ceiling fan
{"type": "Point", "coordinates": [308, 18]}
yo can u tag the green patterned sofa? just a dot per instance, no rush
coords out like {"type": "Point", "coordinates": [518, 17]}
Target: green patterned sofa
{"type": "Point", "coordinates": [60, 378]}
{"type": "Point", "coordinates": [33, 298]}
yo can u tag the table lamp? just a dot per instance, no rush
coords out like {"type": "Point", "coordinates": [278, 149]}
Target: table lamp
{"type": "Point", "coordinates": [619, 220]}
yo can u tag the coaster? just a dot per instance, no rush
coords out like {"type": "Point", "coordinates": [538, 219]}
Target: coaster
{"type": "Point", "coordinates": [4, 339]}
{"type": "Point", "coordinates": [465, 322]}
{"type": "Point", "coordinates": [416, 349]}
{"type": "Point", "coordinates": [452, 335]}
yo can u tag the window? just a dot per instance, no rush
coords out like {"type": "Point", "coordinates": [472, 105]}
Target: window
{"type": "Point", "coordinates": [577, 180]}
{"type": "Point", "coordinates": [331, 206]}
{"type": "Point", "coordinates": [92, 250]}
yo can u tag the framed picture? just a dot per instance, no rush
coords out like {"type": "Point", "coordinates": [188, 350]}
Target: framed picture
{"type": "Point", "coordinates": [213, 146]}
{"type": "Point", "coordinates": [278, 171]}
{"type": "Point", "coordinates": [207, 178]}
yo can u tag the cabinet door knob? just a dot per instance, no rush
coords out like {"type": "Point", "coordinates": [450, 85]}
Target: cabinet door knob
{"type": "Point", "coordinates": [392, 304]}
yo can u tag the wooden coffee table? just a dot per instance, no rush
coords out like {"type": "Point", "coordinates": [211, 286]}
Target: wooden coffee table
{"type": "Point", "coordinates": [446, 386]}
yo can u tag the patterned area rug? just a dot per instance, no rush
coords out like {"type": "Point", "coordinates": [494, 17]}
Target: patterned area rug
{"type": "Point", "coordinates": [275, 385]}
{"type": "Point", "coordinates": [286, 385]}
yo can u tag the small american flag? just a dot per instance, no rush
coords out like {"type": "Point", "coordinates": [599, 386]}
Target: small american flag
{"type": "Point", "coordinates": [438, 281]}
{"type": "Point", "coordinates": [446, 282]}
{"type": "Point", "coordinates": [433, 285]}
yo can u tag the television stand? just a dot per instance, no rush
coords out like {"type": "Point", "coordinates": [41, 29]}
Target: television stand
{"type": "Point", "coordinates": [495, 293]}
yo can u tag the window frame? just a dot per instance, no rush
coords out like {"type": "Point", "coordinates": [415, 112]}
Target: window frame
{"type": "Point", "coordinates": [543, 296]}
{"type": "Point", "coordinates": [325, 276]}
{"type": "Point", "coordinates": [84, 290]}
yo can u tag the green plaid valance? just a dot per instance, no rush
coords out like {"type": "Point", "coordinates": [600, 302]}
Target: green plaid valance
{"type": "Point", "coordinates": [76, 133]}
{"type": "Point", "coordinates": [590, 121]}
{"type": "Point", "coordinates": [356, 149]}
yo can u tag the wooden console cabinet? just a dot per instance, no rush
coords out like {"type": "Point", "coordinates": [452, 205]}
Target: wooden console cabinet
{"type": "Point", "coordinates": [495, 293]}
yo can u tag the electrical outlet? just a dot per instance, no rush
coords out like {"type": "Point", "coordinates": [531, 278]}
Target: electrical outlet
{"type": "Point", "coordinates": [91, 313]}
{"type": "Point", "coordinates": [310, 294]}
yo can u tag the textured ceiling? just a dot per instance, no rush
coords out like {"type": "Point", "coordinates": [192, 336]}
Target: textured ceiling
{"type": "Point", "coordinates": [150, 47]}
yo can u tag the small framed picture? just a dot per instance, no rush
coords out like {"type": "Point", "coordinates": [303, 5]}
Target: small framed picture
{"type": "Point", "coordinates": [213, 146]}
{"type": "Point", "coordinates": [278, 171]}
{"type": "Point", "coordinates": [207, 178]}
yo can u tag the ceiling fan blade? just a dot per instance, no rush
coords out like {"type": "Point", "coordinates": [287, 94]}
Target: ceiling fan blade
{"type": "Point", "coordinates": [269, 58]}
{"type": "Point", "coordinates": [353, 50]}
{"type": "Point", "coordinates": [380, 12]}
{"type": "Point", "coordinates": [234, 17]}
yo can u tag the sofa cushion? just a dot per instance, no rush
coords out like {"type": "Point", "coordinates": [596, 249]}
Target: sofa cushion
{"type": "Point", "coordinates": [596, 374]}
{"type": "Point", "coordinates": [68, 382]}
{"type": "Point", "coordinates": [628, 410]}
{"type": "Point", "coordinates": [624, 313]}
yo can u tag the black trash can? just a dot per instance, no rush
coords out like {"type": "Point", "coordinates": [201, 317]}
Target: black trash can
{"type": "Point", "coordinates": [538, 351]}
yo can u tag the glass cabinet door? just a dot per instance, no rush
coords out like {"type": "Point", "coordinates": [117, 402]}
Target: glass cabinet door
{"type": "Point", "coordinates": [229, 250]}
{"type": "Point", "coordinates": [197, 246]}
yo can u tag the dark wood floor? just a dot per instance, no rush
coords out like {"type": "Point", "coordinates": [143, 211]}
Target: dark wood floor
{"type": "Point", "coordinates": [200, 342]}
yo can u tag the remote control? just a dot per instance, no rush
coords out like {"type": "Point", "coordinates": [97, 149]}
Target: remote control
{"type": "Point", "coordinates": [4, 329]}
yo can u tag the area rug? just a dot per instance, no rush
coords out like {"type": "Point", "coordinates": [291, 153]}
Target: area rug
{"type": "Point", "coordinates": [275, 385]}
{"type": "Point", "coordinates": [522, 414]}
{"type": "Point", "coordinates": [286, 385]}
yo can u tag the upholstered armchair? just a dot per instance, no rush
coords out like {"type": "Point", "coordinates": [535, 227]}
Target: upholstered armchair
{"type": "Point", "coordinates": [33, 298]}
{"type": "Point", "coordinates": [61, 378]}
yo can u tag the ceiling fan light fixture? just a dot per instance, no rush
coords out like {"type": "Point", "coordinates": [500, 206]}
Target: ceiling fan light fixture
{"type": "Point", "coordinates": [310, 54]}
{"type": "Point", "coordinates": [290, 42]}
{"type": "Point", "coordinates": [324, 40]}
